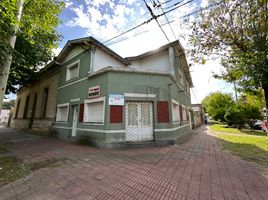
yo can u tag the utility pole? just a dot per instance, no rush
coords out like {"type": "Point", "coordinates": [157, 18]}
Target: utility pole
{"type": "Point", "coordinates": [5, 68]}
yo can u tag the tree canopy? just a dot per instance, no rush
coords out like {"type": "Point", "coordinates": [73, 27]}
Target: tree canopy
{"type": "Point", "coordinates": [36, 37]}
{"type": "Point", "coordinates": [237, 32]}
{"type": "Point", "coordinates": [221, 106]}
{"type": "Point", "coordinates": [7, 105]}
{"type": "Point", "coordinates": [216, 105]}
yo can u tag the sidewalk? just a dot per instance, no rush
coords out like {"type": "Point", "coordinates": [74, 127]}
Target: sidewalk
{"type": "Point", "coordinates": [197, 169]}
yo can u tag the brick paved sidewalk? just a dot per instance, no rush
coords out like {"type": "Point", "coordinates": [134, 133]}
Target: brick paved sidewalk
{"type": "Point", "coordinates": [197, 169]}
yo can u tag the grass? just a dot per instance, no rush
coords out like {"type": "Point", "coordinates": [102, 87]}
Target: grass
{"type": "Point", "coordinates": [250, 146]}
{"type": "Point", "coordinates": [12, 169]}
{"type": "Point", "coordinates": [50, 163]}
{"type": "Point", "coordinates": [226, 129]}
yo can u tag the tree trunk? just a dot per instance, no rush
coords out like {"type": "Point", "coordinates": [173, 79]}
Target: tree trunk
{"type": "Point", "coordinates": [5, 68]}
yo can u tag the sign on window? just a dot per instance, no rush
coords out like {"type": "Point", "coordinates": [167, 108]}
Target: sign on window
{"type": "Point", "coordinates": [116, 99]}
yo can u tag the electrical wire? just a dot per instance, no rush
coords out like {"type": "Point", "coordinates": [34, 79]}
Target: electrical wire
{"type": "Point", "coordinates": [194, 93]}
{"type": "Point", "coordinates": [169, 23]}
{"type": "Point", "coordinates": [146, 22]}
{"type": "Point", "coordinates": [174, 5]}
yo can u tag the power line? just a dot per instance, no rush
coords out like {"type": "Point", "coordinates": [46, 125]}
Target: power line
{"type": "Point", "coordinates": [175, 4]}
{"type": "Point", "coordinates": [146, 22]}
{"type": "Point", "coordinates": [160, 3]}
{"type": "Point", "coordinates": [194, 93]}
{"type": "Point", "coordinates": [155, 18]}
{"type": "Point", "coordinates": [168, 23]}
{"type": "Point", "coordinates": [199, 10]}
{"type": "Point", "coordinates": [183, 64]}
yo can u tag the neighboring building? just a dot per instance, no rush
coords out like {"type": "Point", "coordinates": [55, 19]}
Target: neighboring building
{"type": "Point", "coordinates": [36, 102]}
{"type": "Point", "coordinates": [111, 100]}
{"type": "Point", "coordinates": [198, 114]}
{"type": "Point", "coordinates": [4, 117]}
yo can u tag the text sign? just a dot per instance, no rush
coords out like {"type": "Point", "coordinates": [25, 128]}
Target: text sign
{"type": "Point", "coordinates": [94, 92]}
{"type": "Point", "coordinates": [116, 99]}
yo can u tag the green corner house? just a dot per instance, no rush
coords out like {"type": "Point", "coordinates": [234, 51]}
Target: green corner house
{"type": "Point", "coordinates": [113, 101]}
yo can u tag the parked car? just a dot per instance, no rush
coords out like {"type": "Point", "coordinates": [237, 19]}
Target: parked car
{"type": "Point", "coordinates": [257, 125]}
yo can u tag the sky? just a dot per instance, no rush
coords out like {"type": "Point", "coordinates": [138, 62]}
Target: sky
{"type": "Point", "coordinates": [105, 19]}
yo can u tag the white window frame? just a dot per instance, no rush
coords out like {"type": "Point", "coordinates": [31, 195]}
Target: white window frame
{"type": "Point", "coordinates": [68, 70]}
{"type": "Point", "coordinates": [63, 105]}
{"type": "Point", "coordinates": [177, 112]}
{"type": "Point", "coordinates": [88, 101]}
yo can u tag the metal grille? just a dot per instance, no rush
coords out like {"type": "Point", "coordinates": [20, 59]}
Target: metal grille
{"type": "Point", "coordinates": [139, 121]}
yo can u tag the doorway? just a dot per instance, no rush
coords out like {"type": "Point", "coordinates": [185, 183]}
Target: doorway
{"type": "Point", "coordinates": [75, 120]}
{"type": "Point", "coordinates": [139, 121]}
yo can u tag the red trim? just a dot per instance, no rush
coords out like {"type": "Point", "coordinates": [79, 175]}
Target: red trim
{"type": "Point", "coordinates": [81, 112]}
{"type": "Point", "coordinates": [162, 112]}
{"type": "Point", "coordinates": [116, 114]}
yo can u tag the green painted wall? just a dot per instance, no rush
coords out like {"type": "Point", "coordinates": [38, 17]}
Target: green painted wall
{"type": "Point", "coordinates": [113, 82]}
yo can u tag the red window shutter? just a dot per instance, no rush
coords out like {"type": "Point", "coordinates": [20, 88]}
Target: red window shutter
{"type": "Point", "coordinates": [116, 114]}
{"type": "Point", "coordinates": [81, 112]}
{"type": "Point", "coordinates": [181, 114]}
{"type": "Point", "coordinates": [162, 112]}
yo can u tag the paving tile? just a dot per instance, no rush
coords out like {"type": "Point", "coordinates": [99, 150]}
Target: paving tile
{"type": "Point", "coordinates": [195, 170]}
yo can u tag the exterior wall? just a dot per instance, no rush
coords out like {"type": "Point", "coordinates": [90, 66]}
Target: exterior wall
{"type": "Point", "coordinates": [40, 121]}
{"type": "Point", "coordinates": [101, 60]}
{"type": "Point", "coordinates": [158, 62]}
{"type": "Point", "coordinates": [75, 51]}
{"type": "Point", "coordinates": [155, 79]}
{"type": "Point", "coordinates": [113, 134]}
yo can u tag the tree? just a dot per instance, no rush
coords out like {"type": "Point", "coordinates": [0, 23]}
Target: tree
{"type": "Point", "coordinates": [217, 104]}
{"type": "Point", "coordinates": [7, 105]}
{"type": "Point", "coordinates": [27, 34]}
{"type": "Point", "coordinates": [247, 109]}
{"type": "Point", "coordinates": [237, 31]}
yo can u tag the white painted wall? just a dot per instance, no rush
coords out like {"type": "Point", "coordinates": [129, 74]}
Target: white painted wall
{"type": "Point", "coordinates": [159, 62]}
{"type": "Point", "coordinates": [102, 59]}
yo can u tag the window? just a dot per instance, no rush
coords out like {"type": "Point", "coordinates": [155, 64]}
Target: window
{"type": "Point", "coordinates": [45, 98]}
{"type": "Point", "coordinates": [175, 111]}
{"type": "Point", "coordinates": [62, 112]}
{"type": "Point", "coordinates": [26, 107]}
{"type": "Point", "coordinates": [17, 109]}
{"type": "Point", "coordinates": [94, 110]}
{"type": "Point", "coordinates": [72, 71]}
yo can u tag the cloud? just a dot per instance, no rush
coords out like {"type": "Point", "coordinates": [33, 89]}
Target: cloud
{"type": "Point", "coordinates": [105, 19]}
{"type": "Point", "coordinates": [102, 18]}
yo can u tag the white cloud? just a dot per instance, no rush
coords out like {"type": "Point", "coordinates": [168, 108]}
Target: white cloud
{"type": "Point", "coordinates": [147, 37]}
{"type": "Point", "coordinates": [68, 3]}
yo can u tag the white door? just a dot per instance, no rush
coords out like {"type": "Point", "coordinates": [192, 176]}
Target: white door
{"type": "Point", "coordinates": [75, 120]}
{"type": "Point", "coordinates": [139, 121]}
